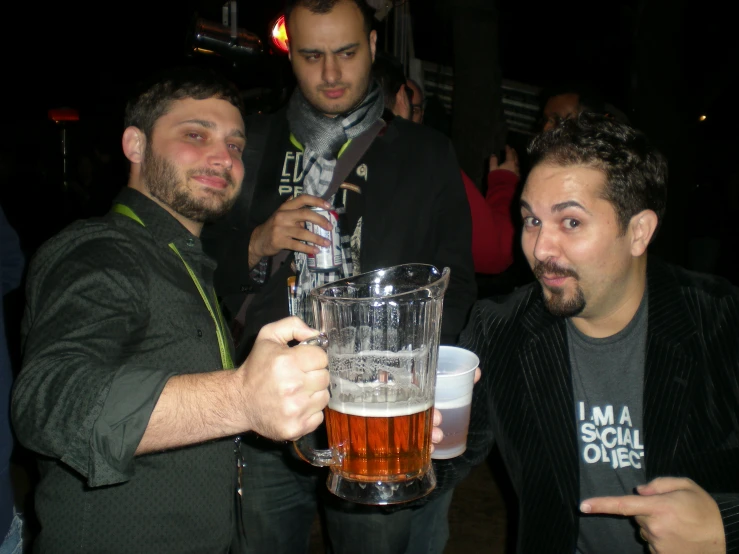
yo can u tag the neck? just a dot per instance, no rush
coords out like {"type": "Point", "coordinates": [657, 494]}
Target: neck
{"type": "Point", "coordinates": [195, 227]}
{"type": "Point", "coordinates": [617, 316]}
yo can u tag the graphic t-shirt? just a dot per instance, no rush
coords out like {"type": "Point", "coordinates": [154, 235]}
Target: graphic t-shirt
{"type": "Point", "coordinates": [608, 383]}
{"type": "Point", "coordinates": [348, 203]}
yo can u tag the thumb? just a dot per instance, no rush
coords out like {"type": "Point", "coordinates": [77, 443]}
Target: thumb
{"type": "Point", "coordinates": [663, 485]}
{"type": "Point", "coordinates": [493, 162]}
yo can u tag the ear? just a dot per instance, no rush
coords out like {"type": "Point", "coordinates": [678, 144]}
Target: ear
{"type": "Point", "coordinates": [373, 43]}
{"type": "Point", "coordinates": [642, 227]}
{"type": "Point", "coordinates": [402, 107]}
{"type": "Point", "coordinates": [134, 143]}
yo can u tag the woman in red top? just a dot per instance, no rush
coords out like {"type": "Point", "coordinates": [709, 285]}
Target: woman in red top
{"type": "Point", "coordinates": [492, 227]}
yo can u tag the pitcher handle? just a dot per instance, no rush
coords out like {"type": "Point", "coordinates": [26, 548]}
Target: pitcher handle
{"type": "Point", "coordinates": [319, 458]}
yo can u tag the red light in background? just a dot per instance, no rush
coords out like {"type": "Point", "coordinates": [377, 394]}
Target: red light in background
{"type": "Point", "coordinates": [59, 115]}
{"type": "Point", "coordinates": [279, 34]}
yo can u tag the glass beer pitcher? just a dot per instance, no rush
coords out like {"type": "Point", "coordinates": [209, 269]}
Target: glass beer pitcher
{"type": "Point", "coordinates": [381, 331]}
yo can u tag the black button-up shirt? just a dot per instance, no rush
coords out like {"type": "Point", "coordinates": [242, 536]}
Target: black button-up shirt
{"type": "Point", "coordinates": [112, 314]}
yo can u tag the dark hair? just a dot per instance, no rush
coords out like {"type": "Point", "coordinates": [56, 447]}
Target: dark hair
{"type": "Point", "coordinates": [388, 71]}
{"type": "Point", "coordinates": [326, 6]}
{"type": "Point", "coordinates": [636, 173]}
{"type": "Point", "coordinates": [588, 97]}
{"type": "Point", "coordinates": [155, 97]}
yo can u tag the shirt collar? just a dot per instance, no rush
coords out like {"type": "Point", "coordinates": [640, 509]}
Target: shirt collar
{"type": "Point", "coordinates": [163, 226]}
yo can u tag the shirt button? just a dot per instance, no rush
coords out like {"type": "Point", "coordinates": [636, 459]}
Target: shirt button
{"type": "Point", "coordinates": [200, 333]}
{"type": "Point", "coordinates": [190, 242]}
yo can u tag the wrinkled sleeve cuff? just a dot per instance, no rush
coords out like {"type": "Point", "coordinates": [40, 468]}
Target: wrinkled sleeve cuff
{"type": "Point", "coordinates": [120, 425]}
{"type": "Point", "coordinates": [728, 504]}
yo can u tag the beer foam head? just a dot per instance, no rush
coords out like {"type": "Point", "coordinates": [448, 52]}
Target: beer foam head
{"type": "Point", "coordinates": [383, 409]}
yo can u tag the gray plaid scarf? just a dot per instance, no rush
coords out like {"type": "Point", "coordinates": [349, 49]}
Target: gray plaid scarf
{"type": "Point", "coordinates": [322, 138]}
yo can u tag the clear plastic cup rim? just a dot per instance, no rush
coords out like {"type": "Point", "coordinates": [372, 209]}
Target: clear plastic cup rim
{"type": "Point", "coordinates": [471, 361]}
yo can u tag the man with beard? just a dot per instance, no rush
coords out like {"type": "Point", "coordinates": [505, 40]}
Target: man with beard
{"type": "Point", "coordinates": [402, 201]}
{"type": "Point", "coordinates": [611, 385]}
{"type": "Point", "coordinates": [123, 392]}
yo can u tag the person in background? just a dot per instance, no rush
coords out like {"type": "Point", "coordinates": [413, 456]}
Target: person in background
{"type": "Point", "coordinates": [570, 98]}
{"type": "Point", "coordinates": [401, 201]}
{"type": "Point", "coordinates": [11, 272]}
{"type": "Point", "coordinates": [492, 225]}
{"type": "Point", "coordinates": [418, 102]}
{"type": "Point", "coordinates": [388, 72]}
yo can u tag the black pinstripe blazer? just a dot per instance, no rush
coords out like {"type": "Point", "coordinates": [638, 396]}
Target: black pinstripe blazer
{"type": "Point", "coordinates": [691, 400]}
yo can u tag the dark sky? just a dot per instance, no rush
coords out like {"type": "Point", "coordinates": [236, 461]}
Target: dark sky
{"type": "Point", "coordinates": [87, 57]}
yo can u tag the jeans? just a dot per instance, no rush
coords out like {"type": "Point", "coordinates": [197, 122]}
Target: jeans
{"type": "Point", "coordinates": [282, 496]}
{"type": "Point", "coordinates": [13, 543]}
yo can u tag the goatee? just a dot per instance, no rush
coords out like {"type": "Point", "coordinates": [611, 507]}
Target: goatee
{"type": "Point", "coordinates": [556, 302]}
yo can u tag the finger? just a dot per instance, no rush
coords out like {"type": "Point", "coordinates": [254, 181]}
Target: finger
{"type": "Point", "coordinates": [437, 435]}
{"type": "Point", "coordinates": [662, 485]}
{"type": "Point", "coordinates": [297, 246]}
{"type": "Point", "coordinates": [311, 424]}
{"type": "Point", "coordinates": [286, 330]}
{"type": "Point", "coordinates": [478, 374]}
{"type": "Point", "coordinates": [299, 234]}
{"type": "Point", "coordinates": [320, 398]}
{"type": "Point", "coordinates": [316, 380]}
{"type": "Point", "coordinates": [630, 505]}
{"type": "Point", "coordinates": [511, 154]}
{"type": "Point", "coordinates": [298, 218]}
{"type": "Point", "coordinates": [493, 162]}
{"type": "Point", "coordinates": [315, 218]}
{"type": "Point", "coordinates": [304, 200]}
{"type": "Point", "coordinates": [437, 417]}
{"type": "Point", "coordinates": [644, 534]}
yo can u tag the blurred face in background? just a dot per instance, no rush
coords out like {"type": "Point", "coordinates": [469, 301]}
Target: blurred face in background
{"type": "Point", "coordinates": [331, 56]}
{"type": "Point", "coordinates": [416, 103]}
{"type": "Point", "coordinates": [560, 107]}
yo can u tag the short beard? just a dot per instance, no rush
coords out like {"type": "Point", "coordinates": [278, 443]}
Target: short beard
{"type": "Point", "coordinates": [556, 303]}
{"type": "Point", "coordinates": [164, 184]}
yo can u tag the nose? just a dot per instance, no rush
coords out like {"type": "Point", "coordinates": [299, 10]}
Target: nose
{"type": "Point", "coordinates": [331, 70]}
{"type": "Point", "coordinates": [546, 246]}
{"type": "Point", "coordinates": [220, 155]}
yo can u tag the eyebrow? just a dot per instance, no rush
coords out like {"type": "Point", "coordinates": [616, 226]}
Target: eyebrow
{"type": "Point", "coordinates": [210, 125]}
{"type": "Point", "coordinates": [558, 207]}
{"type": "Point", "coordinates": [337, 51]}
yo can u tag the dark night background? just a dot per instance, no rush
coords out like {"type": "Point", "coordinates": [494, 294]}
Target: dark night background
{"type": "Point", "coordinates": [664, 63]}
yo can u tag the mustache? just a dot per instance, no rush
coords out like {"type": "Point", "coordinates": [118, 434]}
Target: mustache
{"type": "Point", "coordinates": [208, 172]}
{"type": "Point", "coordinates": [550, 268]}
{"type": "Point", "coordinates": [331, 86]}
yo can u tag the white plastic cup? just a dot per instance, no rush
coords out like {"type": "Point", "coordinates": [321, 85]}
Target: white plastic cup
{"type": "Point", "coordinates": [455, 377]}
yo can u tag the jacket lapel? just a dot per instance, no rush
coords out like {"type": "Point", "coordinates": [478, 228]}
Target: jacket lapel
{"type": "Point", "coordinates": [545, 366]}
{"type": "Point", "coordinates": [670, 370]}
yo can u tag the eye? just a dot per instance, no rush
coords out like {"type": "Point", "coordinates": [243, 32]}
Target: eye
{"type": "Point", "coordinates": [349, 54]}
{"type": "Point", "coordinates": [530, 221]}
{"type": "Point", "coordinates": [570, 223]}
{"type": "Point", "coordinates": [194, 136]}
{"type": "Point", "coordinates": [236, 147]}
{"type": "Point", "coordinates": [312, 57]}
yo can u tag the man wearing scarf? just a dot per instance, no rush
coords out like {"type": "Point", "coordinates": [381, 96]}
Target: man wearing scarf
{"type": "Point", "coordinates": [403, 202]}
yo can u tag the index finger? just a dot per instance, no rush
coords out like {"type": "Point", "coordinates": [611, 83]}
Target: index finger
{"type": "Point", "coordinates": [630, 505]}
{"type": "Point", "coordinates": [304, 200]}
{"type": "Point", "coordinates": [285, 330]}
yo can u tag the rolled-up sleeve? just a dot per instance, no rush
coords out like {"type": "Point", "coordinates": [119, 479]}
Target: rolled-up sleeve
{"type": "Point", "coordinates": [79, 398]}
